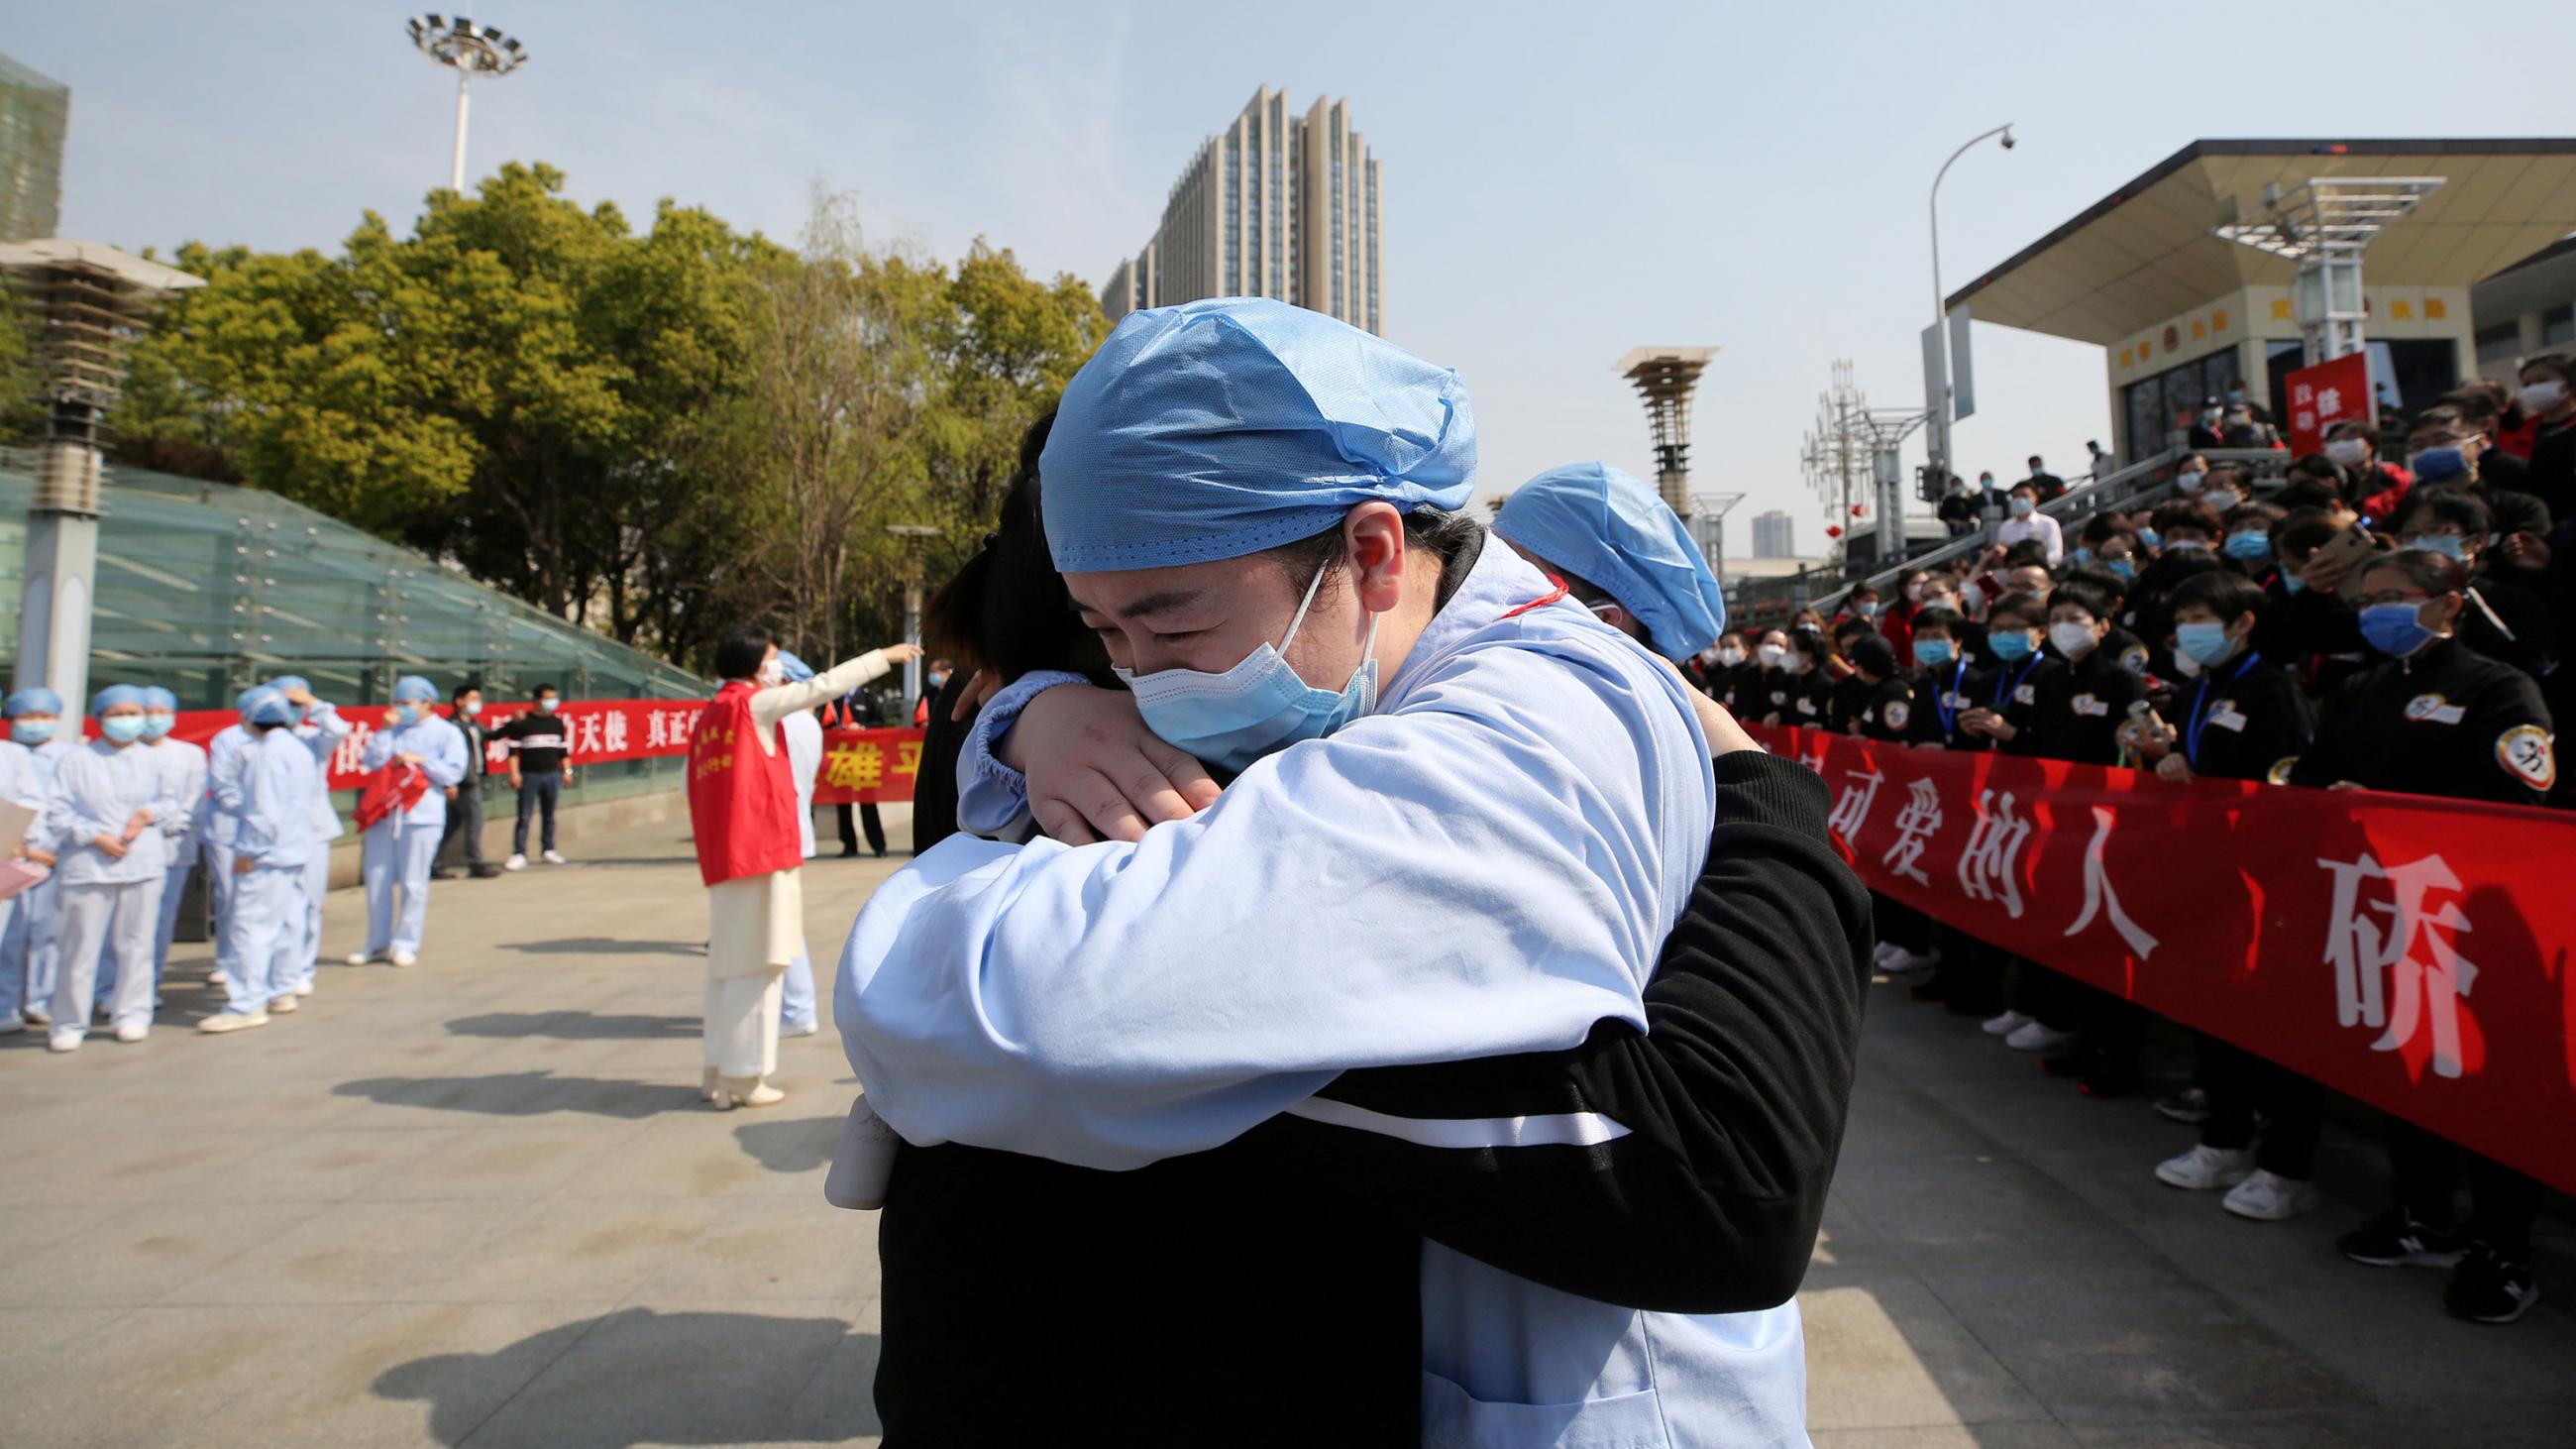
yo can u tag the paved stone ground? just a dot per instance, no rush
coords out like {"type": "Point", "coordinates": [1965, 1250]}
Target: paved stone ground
{"type": "Point", "coordinates": [478, 1202]}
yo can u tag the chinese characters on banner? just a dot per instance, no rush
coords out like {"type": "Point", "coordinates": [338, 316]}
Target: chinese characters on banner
{"type": "Point", "coordinates": [2324, 395]}
{"type": "Point", "coordinates": [859, 766]}
{"type": "Point", "coordinates": [2417, 954]}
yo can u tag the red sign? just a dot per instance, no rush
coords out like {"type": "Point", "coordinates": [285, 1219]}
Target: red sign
{"type": "Point", "coordinates": [868, 767]}
{"type": "Point", "coordinates": [2324, 395]}
{"type": "Point", "coordinates": [2417, 954]}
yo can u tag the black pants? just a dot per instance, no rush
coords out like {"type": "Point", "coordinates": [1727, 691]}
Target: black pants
{"type": "Point", "coordinates": [2239, 1084]}
{"type": "Point", "coordinates": [875, 826]}
{"type": "Point", "coordinates": [2502, 1202]}
{"type": "Point", "coordinates": [464, 818]}
{"type": "Point", "coordinates": [537, 793]}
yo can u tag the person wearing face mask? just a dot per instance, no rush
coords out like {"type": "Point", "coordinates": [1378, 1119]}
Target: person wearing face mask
{"type": "Point", "coordinates": [2204, 429]}
{"type": "Point", "coordinates": [1622, 551]}
{"type": "Point", "coordinates": [2438, 718]}
{"type": "Point", "coordinates": [1732, 664]}
{"type": "Point", "coordinates": [1862, 603]}
{"type": "Point", "coordinates": [1773, 683]}
{"type": "Point", "coordinates": [2193, 533]}
{"type": "Point", "coordinates": [2444, 451]}
{"type": "Point", "coordinates": [2548, 396]}
{"type": "Point", "coordinates": [742, 814]}
{"type": "Point", "coordinates": [185, 764]}
{"type": "Point", "coordinates": [2247, 545]}
{"type": "Point", "coordinates": [1277, 573]}
{"type": "Point", "coordinates": [2239, 428]}
{"type": "Point", "coordinates": [540, 767]}
{"type": "Point", "coordinates": [31, 948]}
{"type": "Point", "coordinates": [1958, 508]}
{"type": "Point", "coordinates": [2374, 487]}
{"type": "Point", "coordinates": [2044, 484]}
{"type": "Point", "coordinates": [2224, 488]}
{"type": "Point", "coordinates": [2027, 522]}
{"type": "Point", "coordinates": [2508, 617]}
{"type": "Point", "coordinates": [108, 822]}
{"type": "Point", "coordinates": [2243, 717]}
{"type": "Point", "coordinates": [263, 787]}
{"type": "Point", "coordinates": [465, 804]}
{"type": "Point", "coordinates": [400, 846]}
{"type": "Point", "coordinates": [1811, 678]}
{"type": "Point", "coordinates": [321, 729]}
{"type": "Point", "coordinates": [2482, 407]}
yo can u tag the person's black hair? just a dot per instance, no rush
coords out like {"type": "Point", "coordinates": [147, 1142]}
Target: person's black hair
{"type": "Point", "coordinates": [2306, 490]}
{"type": "Point", "coordinates": [2093, 576]}
{"type": "Point", "coordinates": [742, 650]}
{"type": "Point", "coordinates": [1851, 624]}
{"type": "Point", "coordinates": [2446, 505]}
{"type": "Point", "coordinates": [2100, 529]}
{"type": "Point", "coordinates": [2027, 551]}
{"type": "Point", "coordinates": [1007, 611]}
{"type": "Point", "coordinates": [2355, 428]}
{"type": "Point", "coordinates": [2244, 514]}
{"type": "Point", "coordinates": [471, 686]}
{"type": "Point", "coordinates": [1950, 621]}
{"type": "Point", "coordinates": [2034, 460]}
{"type": "Point", "coordinates": [1449, 537]}
{"type": "Point", "coordinates": [2187, 513]}
{"type": "Point", "coordinates": [2317, 465]}
{"type": "Point", "coordinates": [545, 689]}
{"type": "Point", "coordinates": [2224, 592]}
{"type": "Point", "coordinates": [1872, 654]}
{"type": "Point", "coordinates": [2560, 365]}
{"type": "Point", "coordinates": [2098, 602]}
{"type": "Point", "coordinates": [2027, 607]}
{"type": "Point", "coordinates": [2433, 573]}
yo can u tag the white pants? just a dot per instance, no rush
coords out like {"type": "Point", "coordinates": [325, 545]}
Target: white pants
{"type": "Point", "coordinates": [262, 930]}
{"type": "Point", "coordinates": [395, 864]}
{"type": "Point", "coordinates": [219, 889]}
{"type": "Point", "coordinates": [174, 889]}
{"type": "Point", "coordinates": [796, 994]}
{"type": "Point", "coordinates": [316, 884]}
{"type": "Point", "coordinates": [97, 919]}
{"type": "Point", "coordinates": [742, 1025]}
{"type": "Point", "coordinates": [33, 943]}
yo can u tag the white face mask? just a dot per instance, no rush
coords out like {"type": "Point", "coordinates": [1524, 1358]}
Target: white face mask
{"type": "Point", "coordinates": [2072, 640]}
{"type": "Point", "coordinates": [1771, 655]}
{"type": "Point", "coordinates": [2350, 452]}
{"type": "Point", "coordinates": [2540, 397]}
{"type": "Point", "coordinates": [2191, 479]}
{"type": "Point", "coordinates": [2223, 499]}
{"type": "Point", "coordinates": [1730, 656]}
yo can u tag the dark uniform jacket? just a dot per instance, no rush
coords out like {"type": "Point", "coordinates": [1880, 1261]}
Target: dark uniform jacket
{"type": "Point", "coordinates": [1885, 710]}
{"type": "Point", "coordinates": [2448, 722]}
{"type": "Point", "coordinates": [2082, 706]}
{"type": "Point", "coordinates": [1942, 697]}
{"type": "Point", "coordinates": [2246, 719]}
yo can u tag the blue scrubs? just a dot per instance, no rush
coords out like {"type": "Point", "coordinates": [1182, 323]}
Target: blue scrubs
{"type": "Point", "coordinates": [184, 767]}
{"type": "Point", "coordinates": [802, 734]}
{"type": "Point", "coordinates": [109, 903]}
{"type": "Point", "coordinates": [32, 945]}
{"type": "Point", "coordinates": [266, 791]}
{"type": "Point", "coordinates": [322, 730]}
{"type": "Point", "coordinates": [401, 848]}
{"type": "Point", "coordinates": [20, 784]}
{"type": "Point", "coordinates": [215, 829]}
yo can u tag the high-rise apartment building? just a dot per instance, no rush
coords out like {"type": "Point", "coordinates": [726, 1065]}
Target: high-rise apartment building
{"type": "Point", "coordinates": [1775, 535]}
{"type": "Point", "coordinates": [1279, 205]}
{"type": "Point", "coordinates": [34, 112]}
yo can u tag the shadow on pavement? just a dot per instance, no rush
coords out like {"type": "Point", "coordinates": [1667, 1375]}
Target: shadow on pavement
{"type": "Point", "coordinates": [576, 1026]}
{"type": "Point", "coordinates": [528, 1094]}
{"type": "Point", "coordinates": [605, 946]}
{"type": "Point", "coordinates": [790, 1147]}
{"type": "Point", "coordinates": [636, 1376]}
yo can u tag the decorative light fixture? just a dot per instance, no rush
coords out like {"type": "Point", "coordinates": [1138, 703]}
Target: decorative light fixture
{"type": "Point", "coordinates": [469, 50]}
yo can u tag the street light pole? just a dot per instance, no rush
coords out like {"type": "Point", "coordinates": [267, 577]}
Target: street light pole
{"type": "Point", "coordinates": [1937, 436]}
{"type": "Point", "coordinates": [456, 168]}
{"type": "Point", "coordinates": [912, 588]}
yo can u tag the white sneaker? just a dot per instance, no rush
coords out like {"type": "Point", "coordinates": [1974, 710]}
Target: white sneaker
{"type": "Point", "coordinates": [359, 958]}
{"type": "Point", "coordinates": [133, 1031]}
{"type": "Point", "coordinates": [402, 958]}
{"type": "Point", "coordinates": [2036, 1036]}
{"type": "Point", "coordinates": [2205, 1167]}
{"type": "Point", "coordinates": [304, 987]}
{"type": "Point", "coordinates": [218, 980]}
{"type": "Point", "coordinates": [808, 1028]}
{"type": "Point", "coordinates": [2004, 1025]}
{"type": "Point", "coordinates": [283, 1006]}
{"type": "Point", "coordinates": [555, 857]}
{"type": "Point", "coordinates": [516, 862]}
{"type": "Point", "coordinates": [2269, 1198]}
{"type": "Point", "coordinates": [64, 1039]}
{"type": "Point", "coordinates": [1885, 949]}
{"type": "Point", "coordinates": [224, 1021]}
{"type": "Point", "coordinates": [38, 1016]}
{"type": "Point", "coordinates": [12, 1023]}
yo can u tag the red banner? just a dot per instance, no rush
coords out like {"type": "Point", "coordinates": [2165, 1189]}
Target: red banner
{"type": "Point", "coordinates": [2411, 952]}
{"type": "Point", "coordinates": [2324, 395]}
{"type": "Point", "coordinates": [871, 767]}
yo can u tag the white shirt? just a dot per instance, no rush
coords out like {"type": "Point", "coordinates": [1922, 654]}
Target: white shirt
{"type": "Point", "coordinates": [2039, 526]}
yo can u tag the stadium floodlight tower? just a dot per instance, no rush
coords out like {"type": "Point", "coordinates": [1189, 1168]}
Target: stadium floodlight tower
{"type": "Point", "coordinates": [84, 303]}
{"type": "Point", "coordinates": [2323, 226]}
{"type": "Point", "coordinates": [1666, 377]}
{"type": "Point", "coordinates": [463, 47]}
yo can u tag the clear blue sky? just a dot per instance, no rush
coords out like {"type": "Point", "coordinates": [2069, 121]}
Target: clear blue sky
{"type": "Point", "coordinates": [1563, 182]}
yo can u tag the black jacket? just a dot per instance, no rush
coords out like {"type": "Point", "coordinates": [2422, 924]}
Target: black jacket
{"type": "Point", "coordinates": [2447, 722]}
{"type": "Point", "coordinates": [2244, 720]}
{"type": "Point", "coordinates": [2082, 705]}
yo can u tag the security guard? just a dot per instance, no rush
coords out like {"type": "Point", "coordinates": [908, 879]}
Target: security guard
{"type": "Point", "coordinates": [2438, 718]}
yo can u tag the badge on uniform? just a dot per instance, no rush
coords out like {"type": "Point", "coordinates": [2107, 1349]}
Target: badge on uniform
{"type": "Point", "coordinates": [1897, 713]}
{"type": "Point", "coordinates": [2134, 659]}
{"type": "Point", "coordinates": [2434, 709]}
{"type": "Point", "coordinates": [2224, 716]}
{"type": "Point", "coordinates": [2525, 753]}
{"type": "Point", "coordinates": [2025, 694]}
{"type": "Point", "coordinates": [2087, 704]}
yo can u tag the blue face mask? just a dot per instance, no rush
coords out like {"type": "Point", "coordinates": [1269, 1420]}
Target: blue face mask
{"type": "Point", "coordinates": [2084, 555]}
{"type": "Point", "coordinates": [2292, 583]}
{"type": "Point", "coordinates": [2251, 547]}
{"type": "Point", "coordinates": [2011, 648]}
{"type": "Point", "coordinates": [1259, 706]}
{"type": "Point", "coordinates": [410, 713]}
{"type": "Point", "coordinates": [2394, 629]}
{"type": "Point", "coordinates": [2123, 568]}
{"type": "Point", "coordinates": [2205, 644]}
{"type": "Point", "coordinates": [158, 726]}
{"type": "Point", "coordinates": [2448, 545]}
{"type": "Point", "coordinates": [2438, 465]}
{"type": "Point", "coordinates": [31, 731]}
{"type": "Point", "coordinates": [125, 729]}
{"type": "Point", "coordinates": [2149, 538]}
{"type": "Point", "coordinates": [1932, 653]}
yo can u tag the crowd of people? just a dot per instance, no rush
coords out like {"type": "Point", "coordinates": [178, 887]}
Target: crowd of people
{"type": "Point", "coordinates": [116, 824]}
{"type": "Point", "coordinates": [2382, 622]}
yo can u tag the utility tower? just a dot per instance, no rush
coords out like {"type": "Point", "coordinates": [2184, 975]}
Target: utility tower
{"type": "Point", "coordinates": [1666, 377]}
{"type": "Point", "coordinates": [1851, 460]}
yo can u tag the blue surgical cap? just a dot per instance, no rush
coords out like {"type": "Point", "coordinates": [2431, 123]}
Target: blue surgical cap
{"type": "Point", "coordinates": [412, 689]}
{"type": "Point", "coordinates": [1615, 531]}
{"type": "Point", "coordinates": [1221, 428]}
{"type": "Point", "coordinates": [38, 700]}
{"type": "Point", "coordinates": [285, 682]}
{"type": "Point", "coordinates": [114, 696]}
{"type": "Point", "coordinates": [265, 704]}
{"type": "Point", "coordinates": [796, 670]}
{"type": "Point", "coordinates": [155, 697]}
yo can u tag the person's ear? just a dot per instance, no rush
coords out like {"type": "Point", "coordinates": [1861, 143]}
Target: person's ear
{"type": "Point", "coordinates": [2246, 619]}
{"type": "Point", "coordinates": [1373, 541]}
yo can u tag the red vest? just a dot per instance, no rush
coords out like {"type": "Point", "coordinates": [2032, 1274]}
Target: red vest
{"type": "Point", "coordinates": [742, 798]}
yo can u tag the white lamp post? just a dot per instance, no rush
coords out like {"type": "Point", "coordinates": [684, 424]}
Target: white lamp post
{"type": "Point", "coordinates": [457, 43]}
{"type": "Point", "coordinates": [1937, 438]}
